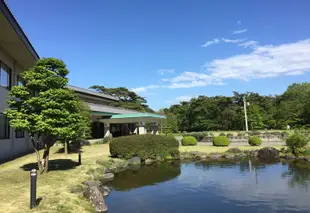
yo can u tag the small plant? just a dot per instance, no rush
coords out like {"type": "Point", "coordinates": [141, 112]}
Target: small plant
{"type": "Point", "coordinates": [220, 141]}
{"type": "Point", "coordinates": [189, 141]}
{"type": "Point", "coordinates": [297, 141]}
{"type": "Point", "coordinates": [255, 141]}
{"type": "Point", "coordinates": [222, 134]}
{"type": "Point", "coordinates": [230, 135]}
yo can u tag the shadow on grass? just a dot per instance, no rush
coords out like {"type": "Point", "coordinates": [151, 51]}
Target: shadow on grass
{"type": "Point", "coordinates": [53, 165]}
{"type": "Point", "coordinates": [71, 150]}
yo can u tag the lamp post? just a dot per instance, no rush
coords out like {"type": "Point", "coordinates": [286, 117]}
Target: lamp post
{"type": "Point", "coordinates": [245, 114]}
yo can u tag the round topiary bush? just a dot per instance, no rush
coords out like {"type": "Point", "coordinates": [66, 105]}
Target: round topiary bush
{"type": "Point", "coordinates": [220, 141]}
{"type": "Point", "coordinates": [144, 146]}
{"type": "Point", "coordinates": [189, 141]}
{"type": "Point", "coordinates": [255, 141]}
{"type": "Point", "coordinates": [222, 134]}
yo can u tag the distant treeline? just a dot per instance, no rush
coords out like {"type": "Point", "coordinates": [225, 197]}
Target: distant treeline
{"type": "Point", "coordinates": [226, 113]}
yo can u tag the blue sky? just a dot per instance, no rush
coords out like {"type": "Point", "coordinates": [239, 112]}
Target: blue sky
{"type": "Point", "coordinates": [174, 50]}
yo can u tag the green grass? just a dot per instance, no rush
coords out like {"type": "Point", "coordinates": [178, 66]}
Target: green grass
{"type": "Point", "coordinates": [54, 187]}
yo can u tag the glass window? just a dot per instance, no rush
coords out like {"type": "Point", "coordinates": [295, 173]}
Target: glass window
{"type": "Point", "coordinates": [19, 134]}
{"type": "Point", "coordinates": [20, 81]}
{"type": "Point", "coordinates": [4, 127]}
{"type": "Point", "coordinates": [5, 74]}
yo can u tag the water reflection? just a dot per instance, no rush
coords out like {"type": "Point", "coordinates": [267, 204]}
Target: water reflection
{"type": "Point", "coordinates": [245, 186]}
{"type": "Point", "coordinates": [146, 175]}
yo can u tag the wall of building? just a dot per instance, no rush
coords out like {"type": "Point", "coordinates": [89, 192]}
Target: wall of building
{"type": "Point", "coordinates": [13, 146]}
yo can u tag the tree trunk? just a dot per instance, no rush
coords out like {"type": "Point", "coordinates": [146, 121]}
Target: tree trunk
{"type": "Point", "coordinates": [66, 146]}
{"type": "Point", "coordinates": [34, 144]}
{"type": "Point", "coordinates": [45, 158]}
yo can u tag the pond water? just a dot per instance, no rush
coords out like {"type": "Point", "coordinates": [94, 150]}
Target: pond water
{"type": "Point", "coordinates": [212, 187]}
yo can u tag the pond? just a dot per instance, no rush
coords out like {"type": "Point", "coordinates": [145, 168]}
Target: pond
{"type": "Point", "coordinates": [212, 187]}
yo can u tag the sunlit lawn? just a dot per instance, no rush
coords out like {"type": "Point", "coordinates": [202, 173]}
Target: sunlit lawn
{"type": "Point", "coordinates": [54, 187]}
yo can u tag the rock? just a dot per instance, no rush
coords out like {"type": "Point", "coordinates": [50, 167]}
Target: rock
{"type": "Point", "coordinates": [92, 183]}
{"type": "Point", "coordinates": [149, 161]}
{"type": "Point", "coordinates": [253, 153]}
{"type": "Point", "coordinates": [105, 191]}
{"type": "Point", "coordinates": [268, 153]}
{"type": "Point", "coordinates": [288, 157]}
{"type": "Point", "coordinates": [93, 194]}
{"type": "Point", "coordinates": [107, 177]}
{"type": "Point", "coordinates": [134, 160]}
{"type": "Point", "coordinates": [115, 169]}
{"type": "Point", "coordinates": [203, 156]}
{"type": "Point", "coordinates": [215, 156]}
{"type": "Point", "coordinates": [241, 155]}
{"type": "Point", "coordinates": [228, 156]}
{"type": "Point", "coordinates": [234, 150]}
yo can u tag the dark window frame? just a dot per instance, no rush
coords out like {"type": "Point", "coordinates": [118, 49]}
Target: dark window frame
{"type": "Point", "coordinates": [7, 126]}
{"type": "Point", "coordinates": [9, 76]}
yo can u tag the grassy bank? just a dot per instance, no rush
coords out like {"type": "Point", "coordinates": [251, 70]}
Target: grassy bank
{"type": "Point", "coordinates": [54, 187]}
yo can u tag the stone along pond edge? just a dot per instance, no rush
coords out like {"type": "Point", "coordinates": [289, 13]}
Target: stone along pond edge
{"type": "Point", "coordinates": [95, 190]}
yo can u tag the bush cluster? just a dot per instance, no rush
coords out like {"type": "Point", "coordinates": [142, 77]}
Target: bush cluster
{"type": "Point", "coordinates": [144, 146]}
{"type": "Point", "coordinates": [220, 141]}
{"type": "Point", "coordinates": [255, 141]}
{"type": "Point", "coordinates": [297, 141]}
{"type": "Point", "coordinates": [189, 141]}
{"type": "Point", "coordinates": [198, 135]}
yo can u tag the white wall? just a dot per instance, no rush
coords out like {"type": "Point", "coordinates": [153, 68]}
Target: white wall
{"type": "Point", "coordinates": [13, 146]}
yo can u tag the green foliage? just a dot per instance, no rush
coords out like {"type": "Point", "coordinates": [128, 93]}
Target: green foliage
{"type": "Point", "coordinates": [144, 146]}
{"type": "Point", "coordinates": [220, 141]}
{"type": "Point", "coordinates": [103, 141]}
{"type": "Point", "coordinates": [296, 141]}
{"type": "Point", "coordinates": [222, 134]}
{"type": "Point", "coordinates": [198, 135]}
{"type": "Point", "coordinates": [230, 135]}
{"type": "Point", "coordinates": [127, 99]}
{"type": "Point", "coordinates": [189, 141]}
{"type": "Point", "coordinates": [45, 107]}
{"type": "Point", "coordinates": [170, 125]}
{"type": "Point", "coordinates": [255, 141]}
{"type": "Point", "coordinates": [264, 112]}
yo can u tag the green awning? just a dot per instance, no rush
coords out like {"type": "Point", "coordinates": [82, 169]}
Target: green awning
{"type": "Point", "coordinates": [138, 115]}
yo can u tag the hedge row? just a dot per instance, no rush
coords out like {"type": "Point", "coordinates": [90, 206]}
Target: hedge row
{"type": "Point", "coordinates": [144, 146]}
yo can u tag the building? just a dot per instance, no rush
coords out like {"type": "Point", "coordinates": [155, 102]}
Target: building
{"type": "Point", "coordinates": [17, 54]}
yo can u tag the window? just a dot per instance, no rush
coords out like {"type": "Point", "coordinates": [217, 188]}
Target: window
{"type": "Point", "coordinates": [20, 81]}
{"type": "Point", "coordinates": [5, 75]}
{"type": "Point", "coordinates": [19, 133]}
{"type": "Point", "coordinates": [4, 127]}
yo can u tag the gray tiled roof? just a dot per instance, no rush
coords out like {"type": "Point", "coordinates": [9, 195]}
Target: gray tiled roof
{"type": "Point", "coordinates": [109, 109]}
{"type": "Point", "coordinates": [90, 92]}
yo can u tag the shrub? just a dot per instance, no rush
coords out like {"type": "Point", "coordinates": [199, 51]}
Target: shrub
{"type": "Point", "coordinates": [255, 141]}
{"type": "Point", "coordinates": [222, 134]}
{"type": "Point", "coordinates": [144, 146]}
{"type": "Point", "coordinates": [102, 141]}
{"type": "Point", "coordinates": [230, 135]}
{"type": "Point", "coordinates": [189, 141]}
{"type": "Point", "coordinates": [220, 141]}
{"type": "Point", "coordinates": [297, 141]}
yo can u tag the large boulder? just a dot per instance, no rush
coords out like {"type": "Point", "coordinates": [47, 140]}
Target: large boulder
{"type": "Point", "coordinates": [105, 191]}
{"type": "Point", "coordinates": [93, 194]}
{"type": "Point", "coordinates": [234, 150]}
{"type": "Point", "coordinates": [148, 161]}
{"type": "Point", "coordinates": [92, 183]}
{"type": "Point", "coordinates": [134, 160]}
{"type": "Point", "coordinates": [215, 156]}
{"type": "Point", "coordinates": [107, 177]}
{"type": "Point", "coordinates": [228, 156]}
{"type": "Point", "coordinates": [267, 153]}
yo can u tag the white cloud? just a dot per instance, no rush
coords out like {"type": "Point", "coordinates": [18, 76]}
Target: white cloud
{"type": "Point", "coordinates": [211, 42]}
{"type": "Point", "coordinates": [165, 71]}
{"type": "Point", "coordinates": [240, 31]}
{"type": "Point", "coordinates": [234, 41]}
{"type": "Point", "coordinates": [239, 22]}
{"type": "Point", "coordinates": [144, 89]}
{"type": "Point", "coordinates": [247, 44]}
{"type": "Point", "coordinates": [264, 61]}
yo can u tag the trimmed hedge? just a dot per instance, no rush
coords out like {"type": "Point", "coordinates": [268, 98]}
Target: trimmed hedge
{"type": "Point", "coordinates": [255, 141]}
{"type": "Point", "coordinates": [220, 141]}
{"type": "Point", "coordinates": [189, 141]}
{"type": "Point", "coordinates": [144, 146]}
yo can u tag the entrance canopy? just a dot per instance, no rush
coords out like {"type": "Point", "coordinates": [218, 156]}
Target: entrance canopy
{"type": "Point", "coordinates": [133, 118]}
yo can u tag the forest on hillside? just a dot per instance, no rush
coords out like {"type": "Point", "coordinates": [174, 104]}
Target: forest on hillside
{"type": "Point", "coordinates": [227, 113]}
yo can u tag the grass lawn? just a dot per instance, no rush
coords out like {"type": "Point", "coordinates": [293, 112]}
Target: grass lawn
{"type": "Point", "coordinates": [54, 187]}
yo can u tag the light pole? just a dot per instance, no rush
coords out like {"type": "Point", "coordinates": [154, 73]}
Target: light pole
{"type": "Point", "coordinates": [245, 114]}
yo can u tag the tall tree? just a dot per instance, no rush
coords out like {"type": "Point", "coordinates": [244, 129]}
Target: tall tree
{"type": "Point", "coordinates": [44, 107]}
{"type": "Point", "coordinates": [127, 99]}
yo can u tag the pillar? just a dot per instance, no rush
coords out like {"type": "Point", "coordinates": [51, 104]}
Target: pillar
{"type": "Point", "coordinates": [107, 130]}
{"type": "Point", "coordinates": [155, 128]}
{"type": "Point", "coordinates": [142, 130]}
